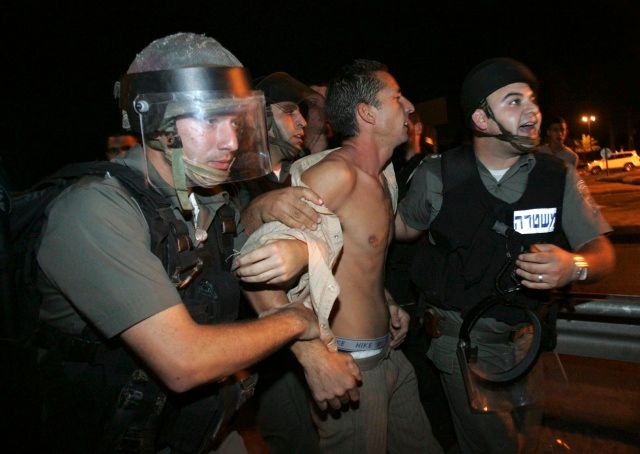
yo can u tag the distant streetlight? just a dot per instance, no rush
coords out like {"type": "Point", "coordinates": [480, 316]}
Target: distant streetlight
{"type": "Point", "coordinates": [588, 119]}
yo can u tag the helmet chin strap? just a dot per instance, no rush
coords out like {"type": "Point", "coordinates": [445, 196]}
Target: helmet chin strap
{"type": "Point", "coordinates": [173, 154]}
{"type": "Point", "coordinates": [188, 173]}
{"type": "Point", "coordinates": [521, 143]}
{"type": "Point", "coordinates": [180, 179]}
{"type": "Point", "coordinates": [284, 148]}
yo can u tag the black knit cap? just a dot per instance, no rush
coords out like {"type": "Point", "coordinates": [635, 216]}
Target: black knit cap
{"type": "Point", "coordinates": [281, 87]}
{"type": "Point", "coordinates": [489, 76]}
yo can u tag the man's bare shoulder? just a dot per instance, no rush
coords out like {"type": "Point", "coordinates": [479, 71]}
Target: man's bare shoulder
{"type": "Point", "coordinates": [333, 179]}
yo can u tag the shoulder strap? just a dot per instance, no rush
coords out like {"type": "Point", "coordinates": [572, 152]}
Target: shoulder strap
{"type": "Point", "coordinates": [458, 165]}
{"type": "Point", "coordinates": [137, 186]}
{"type": "Point", "coordinates": [225, 227]}
{"type": "Point", "coordinates": [131, 179]}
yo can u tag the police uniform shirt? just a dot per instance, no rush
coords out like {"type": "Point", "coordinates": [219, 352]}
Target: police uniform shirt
{"type": "Point", "coordinates": [582, 220]}
{"type": "Point", "coordinates": [96, 255]}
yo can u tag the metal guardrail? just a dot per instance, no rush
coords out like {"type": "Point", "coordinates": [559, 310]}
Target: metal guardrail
{"type": "Point", "coordinates": [600, 326]}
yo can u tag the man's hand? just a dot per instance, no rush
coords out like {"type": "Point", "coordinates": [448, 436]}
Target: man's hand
{"type": "Point", "coordinates": [286, 205]}
{"type": "Point", "coordinates": [333, 377]}
{"type": "Point", "coordinates": [398, 325]}
{"type": "Point", "coordinates": [276, 262]}
{"type": "Point", "coordinates": [547, 266]}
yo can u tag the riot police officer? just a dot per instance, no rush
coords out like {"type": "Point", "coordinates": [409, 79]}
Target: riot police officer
{"type": "Point", "coordinates": [138, 345]}
{"type": "Point", "coordinates": [505, 224]}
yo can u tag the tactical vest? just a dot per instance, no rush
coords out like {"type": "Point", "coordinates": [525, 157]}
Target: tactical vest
{"type": "Point", "coordinates": [201, 274]}
{"type": "Point", "coordinates": [469, 256]}
{"type": "Point", "coordinates": [124, 407]}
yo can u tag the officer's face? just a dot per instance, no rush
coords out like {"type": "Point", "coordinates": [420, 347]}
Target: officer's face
{"type": "Point", "coordinates": [290, 122]}
{"type": "Point", "coordinates": [557, 133]}
{"type": "Point", "coordinates": [516, 108]}
{"type": "Point", "coordinates": [212, 141]}
{"type": "Point", "coordinates": [316, 120]}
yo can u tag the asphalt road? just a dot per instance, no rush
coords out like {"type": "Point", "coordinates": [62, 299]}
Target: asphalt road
{"type": "Point", "coordinates": [620, 204]}
{"type": "Point", "coordinates": [596, 411]}
{"type": "Point", "coordinates": [599, 412]}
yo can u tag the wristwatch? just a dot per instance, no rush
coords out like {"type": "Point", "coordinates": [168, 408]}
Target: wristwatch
{"type": "Point", "coordinates": [582, 267]}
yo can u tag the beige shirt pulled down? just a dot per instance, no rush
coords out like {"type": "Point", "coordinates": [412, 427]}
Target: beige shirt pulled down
{"type": "Point", "coordinates": [317, 288]}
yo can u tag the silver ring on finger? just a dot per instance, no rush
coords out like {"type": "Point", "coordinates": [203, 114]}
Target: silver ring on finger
{"type": "Point", "coordinates": [540, 278]}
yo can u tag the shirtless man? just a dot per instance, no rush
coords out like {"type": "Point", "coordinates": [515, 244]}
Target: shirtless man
{"type": "Point", "coordinates": [365, 107]}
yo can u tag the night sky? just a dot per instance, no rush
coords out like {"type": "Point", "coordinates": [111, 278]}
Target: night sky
{"type": "Point", "coordinates": [60, 62]}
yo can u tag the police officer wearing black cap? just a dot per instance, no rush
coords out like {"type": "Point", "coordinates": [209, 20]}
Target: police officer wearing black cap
{"type": "Point", "coordinates": [506, 225]}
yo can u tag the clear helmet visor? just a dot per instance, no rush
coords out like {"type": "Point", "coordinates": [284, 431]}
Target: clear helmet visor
{"type": "Point", "coordinates": [208, 137]}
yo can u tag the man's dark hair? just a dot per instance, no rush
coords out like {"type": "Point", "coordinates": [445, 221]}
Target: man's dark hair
{"type": "Point", "coordinates": [355, 83]}
{"type": "Point", "coordinates": [555, 120]}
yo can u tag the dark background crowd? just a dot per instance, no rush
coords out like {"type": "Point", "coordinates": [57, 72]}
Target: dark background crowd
{"type": "Point", "coordinates": [60, 59]}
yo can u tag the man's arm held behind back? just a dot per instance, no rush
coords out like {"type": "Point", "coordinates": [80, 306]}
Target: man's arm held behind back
{"type": "Point", "coordinates": [331, 376]}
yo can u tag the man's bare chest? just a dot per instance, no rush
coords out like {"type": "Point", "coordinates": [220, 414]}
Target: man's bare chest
{"type": "Point", "coordinates": [367, 222]}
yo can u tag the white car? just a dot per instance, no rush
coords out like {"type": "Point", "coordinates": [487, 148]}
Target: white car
{"type": "Point", "coordinates": [625, 160]}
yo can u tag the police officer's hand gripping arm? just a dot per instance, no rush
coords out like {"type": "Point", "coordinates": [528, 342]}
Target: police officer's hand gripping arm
{"type": "Point", "coordinates": [333, 377]}
{"type": "Point", "coordinates": [285, 205]}
{"type": "Point", "coordinates": [185, 354]}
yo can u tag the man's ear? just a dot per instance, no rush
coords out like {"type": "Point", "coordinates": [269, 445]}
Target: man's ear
{"type": "Point", "coordinates": [480, 119]}
{"type": "Point", "coordinates": [366, 113]}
